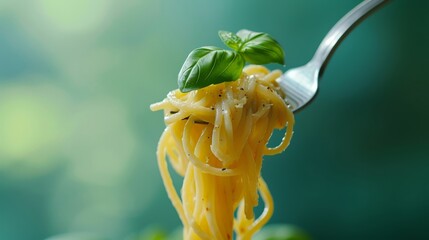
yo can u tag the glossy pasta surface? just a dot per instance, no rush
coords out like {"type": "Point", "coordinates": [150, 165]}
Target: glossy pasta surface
{"type": "Point", "coordinates": [215, 138]}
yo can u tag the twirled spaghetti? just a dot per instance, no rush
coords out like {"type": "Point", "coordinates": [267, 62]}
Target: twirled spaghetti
{"type": "Point", "coordinates": [215, 137]}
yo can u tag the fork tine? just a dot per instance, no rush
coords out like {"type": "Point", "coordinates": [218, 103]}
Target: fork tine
{"type": "Point", "coordinates": [299, 86]}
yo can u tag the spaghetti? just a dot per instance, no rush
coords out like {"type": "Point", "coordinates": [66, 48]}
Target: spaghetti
{"type": "Point", "coordinates": [215, 138]}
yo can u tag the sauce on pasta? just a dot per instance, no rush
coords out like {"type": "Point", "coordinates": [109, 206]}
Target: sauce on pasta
{"type": "Point", "coordinates": [215, 138]}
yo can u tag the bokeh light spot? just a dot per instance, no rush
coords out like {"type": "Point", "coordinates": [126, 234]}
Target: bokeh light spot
{"type": "Point", "coordinates": [31, 125]}
{"type": "Point", "coordinates": [75, 16]}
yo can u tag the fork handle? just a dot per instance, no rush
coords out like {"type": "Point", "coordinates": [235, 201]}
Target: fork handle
{"type": "Point", "coordinates": [340, 30]}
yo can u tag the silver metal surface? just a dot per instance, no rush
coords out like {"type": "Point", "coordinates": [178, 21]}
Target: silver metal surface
{"type": "Point", "coordinates": [300, 84]}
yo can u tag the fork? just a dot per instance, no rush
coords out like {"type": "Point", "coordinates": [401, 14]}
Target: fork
{"type": "Point", "coordinates": [300, 85]}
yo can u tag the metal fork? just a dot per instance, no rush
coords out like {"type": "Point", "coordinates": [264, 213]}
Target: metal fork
{"type": "Point", "coordinates": [300, 84]}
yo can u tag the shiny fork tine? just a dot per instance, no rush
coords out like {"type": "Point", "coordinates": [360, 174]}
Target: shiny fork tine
{"type": "Point", "coordinates": [299, 86]}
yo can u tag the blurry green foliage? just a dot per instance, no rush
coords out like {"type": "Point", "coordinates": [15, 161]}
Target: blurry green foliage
{"type": "Point", "coordinates": [77, 236]}
{"type": "Point", "coordinates": [281, 232]}
{"type": "Point", "coordinates": [77, 138]}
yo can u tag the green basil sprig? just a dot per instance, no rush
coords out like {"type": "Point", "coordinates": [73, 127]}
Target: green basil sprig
{"type": "Point", "coordinates": [211, 65]}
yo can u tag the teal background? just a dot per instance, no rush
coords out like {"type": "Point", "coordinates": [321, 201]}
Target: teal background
{"type": "Point", "coordinates": [77, 138]}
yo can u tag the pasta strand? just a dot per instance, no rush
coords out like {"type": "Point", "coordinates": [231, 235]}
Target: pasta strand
{"type": "Point", "coordinates": [216, 138]}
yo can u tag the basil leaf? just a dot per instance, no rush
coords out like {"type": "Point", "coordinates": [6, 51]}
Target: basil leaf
{"type": "Point", "coordinates": [260, 48]}
{"type": "Point", "coordinates": [209, 65]}
{"type": "Point", "coordinates": [230, 39]}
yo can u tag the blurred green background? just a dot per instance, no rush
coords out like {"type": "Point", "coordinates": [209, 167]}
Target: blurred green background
{"type": "Point", "coordinates": [77, 138]}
